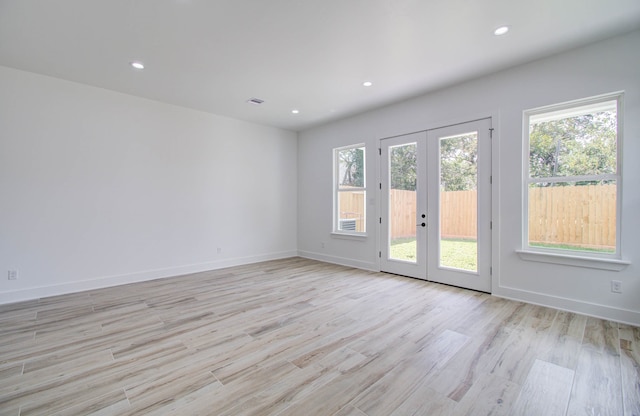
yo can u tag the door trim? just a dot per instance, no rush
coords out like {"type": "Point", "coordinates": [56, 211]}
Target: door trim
{"type": "Point", "coordinates": [493, 211]}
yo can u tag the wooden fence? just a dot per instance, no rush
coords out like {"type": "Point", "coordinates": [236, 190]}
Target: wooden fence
{"type": "Point", "coordinates": [352, 206]}
{"type": "Point", "coordinates": [459, 214]}
{"type": "Point", "coordinates": [582, 216]}
{"type": "Point", "coordinates": [402, 210]}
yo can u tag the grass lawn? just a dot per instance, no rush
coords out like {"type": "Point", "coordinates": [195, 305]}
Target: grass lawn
{"type": "Point", "coordinates": [459, 254]}
{"type": "Point", "coordinates": [576, 248]}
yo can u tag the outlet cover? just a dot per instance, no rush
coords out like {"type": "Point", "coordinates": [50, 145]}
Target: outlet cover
{"type": "Point", "coordinates": [616, 286]}
{"type": "Point", "coordinates": [12, 275]}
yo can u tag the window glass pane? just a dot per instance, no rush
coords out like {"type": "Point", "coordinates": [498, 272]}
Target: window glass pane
{"type": "Point", "coordinates": [351, 167]}
{"type": "Point", "coordinates": [458, 202]}
{"type": "Point", "coordinates": [350, 191]}
{"type": "Point", "coordinates": [402, 202]}
{"type": "Point", "coordinates": [351, 211]}
{"type": "Point", "coordinates": [573, 216]}
{"type": "Point", "coordinates": [580, 143]}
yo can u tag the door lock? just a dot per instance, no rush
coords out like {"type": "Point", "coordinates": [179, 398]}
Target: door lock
{"type": "Point", "coordinates": [424, 224]}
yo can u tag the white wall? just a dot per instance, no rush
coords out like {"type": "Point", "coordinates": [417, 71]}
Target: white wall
{"type": "Point", "coordinates": [99, 188]}
{"type": "Point", "coordinates": [608, 66]}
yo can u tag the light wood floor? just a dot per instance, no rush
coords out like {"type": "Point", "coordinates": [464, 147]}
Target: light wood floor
{"type": "Point", "coordinates": [299, 337]}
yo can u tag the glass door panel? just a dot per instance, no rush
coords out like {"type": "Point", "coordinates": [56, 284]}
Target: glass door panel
{"type": "Point", "coordinates": [459, 205]}
{"type": "Point", "coordinates": [402, 202]}
{"type": "Point", "coordinates": [459, 202]}
{"type": "Point", "coordinates": [403, 248]}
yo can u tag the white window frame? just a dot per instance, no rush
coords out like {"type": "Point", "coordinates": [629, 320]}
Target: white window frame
{"type": "Point", "coordinates": [336, 231]}
{"type": "Point", "coordinates": [608, 261]}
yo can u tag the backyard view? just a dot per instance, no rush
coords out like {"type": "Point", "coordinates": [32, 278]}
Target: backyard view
{"type": "Point", "coordinates": [571, 198]}
{"type": "Point", "coordinates": [458, 202]}
{"type": "Point", "coordinates": [350, 189]}
{"type": "Point", "coordinates": [459, 254]}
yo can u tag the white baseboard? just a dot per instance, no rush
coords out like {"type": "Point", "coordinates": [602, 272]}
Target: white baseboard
{"type": "Point", "coordinates": [571, 305]}
{"type": "Point", "coordinates": [590, 309]}
{"type": "Point", "coordinates": [343, 261]}
{"type": "Point", "coordinates": [109, 281]}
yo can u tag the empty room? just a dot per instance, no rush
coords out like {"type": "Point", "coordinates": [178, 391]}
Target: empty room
{"type": "Point", "coordinates": [349, 208]}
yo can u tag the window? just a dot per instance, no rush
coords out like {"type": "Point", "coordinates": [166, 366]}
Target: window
{"type": "Point", "coordinates": [350, 190]}
{"type": "Point", "coordinates": [572, 180]}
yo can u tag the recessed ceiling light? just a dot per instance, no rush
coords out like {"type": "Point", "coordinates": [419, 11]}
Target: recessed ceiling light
{"type": "Point", "coordinates": [295, 111]}
{"type": "Point", "coordinates": [367, 83]}
{"type": "Point", "coordinates": [137, 65]}
{"type": "Point", "coordinates": [501, 30]}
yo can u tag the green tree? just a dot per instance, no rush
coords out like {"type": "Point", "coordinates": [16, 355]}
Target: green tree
{"type": "Point", "coordinates": [459, 163]}
{"type": "Point", "coordinates": [352, 167]}
{"type": "Point", "coordinates": [573, 146]}
{"type": "Point", "coordinates": [458, 169]}
{"type": "Point", "coordinates": [403, 167]}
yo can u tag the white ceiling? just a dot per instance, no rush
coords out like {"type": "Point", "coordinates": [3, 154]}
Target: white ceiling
{"type": "Point", "coordinates": [310, 55]}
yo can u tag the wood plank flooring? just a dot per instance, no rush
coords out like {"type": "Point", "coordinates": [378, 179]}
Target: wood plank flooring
{"type": "Point", "coordinates": [300, 337]}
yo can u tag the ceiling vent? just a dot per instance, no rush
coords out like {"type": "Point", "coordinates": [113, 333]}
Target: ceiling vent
{"type": "Point", "coordinates": [256, 101]}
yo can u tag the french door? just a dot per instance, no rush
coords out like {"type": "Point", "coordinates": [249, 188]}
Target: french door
{"type": "Point", "coordinates": [436, 205]}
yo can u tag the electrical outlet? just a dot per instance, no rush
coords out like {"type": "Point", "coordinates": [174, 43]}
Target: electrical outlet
{"type": "Point", "coordinates": [12, 275]}
{"type": "Point", "coordinates": [321, 245]}
{"type": "Point", "coordinates": [219, 250]}
{"type": "Point", "coordinates": [616, 286]}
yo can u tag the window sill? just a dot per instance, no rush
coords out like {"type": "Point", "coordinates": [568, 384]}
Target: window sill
{"type": "Point", "coordinates": [348, 236]}
{"type": "Point", "coordinates": [577, 261]}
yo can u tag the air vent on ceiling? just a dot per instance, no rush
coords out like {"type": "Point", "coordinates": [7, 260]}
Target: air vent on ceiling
{"type": "Point", "coordinates": [256, 101]}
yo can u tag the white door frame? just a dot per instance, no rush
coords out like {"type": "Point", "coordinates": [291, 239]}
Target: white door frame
{"type": "Point", "coordinates": [486, 239]}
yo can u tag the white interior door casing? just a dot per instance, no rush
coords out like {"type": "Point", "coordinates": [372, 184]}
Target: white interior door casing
{"type": "Point", "coordinates": [427, 255]}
